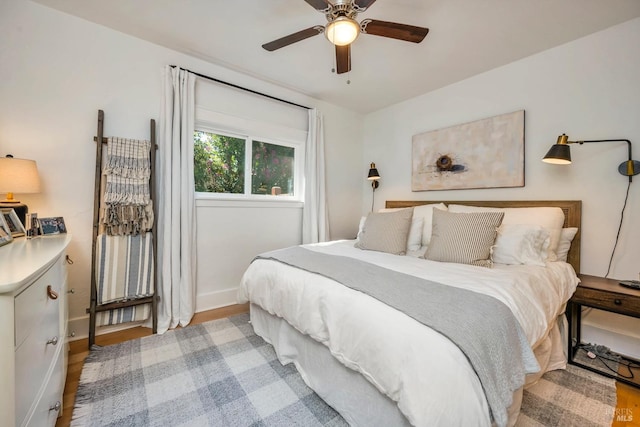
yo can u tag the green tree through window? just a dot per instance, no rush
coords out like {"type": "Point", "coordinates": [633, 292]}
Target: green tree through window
{"type": "Point", "coordinates": [272, 169]}
{"type": "Point", "coordinates": [219, 165]}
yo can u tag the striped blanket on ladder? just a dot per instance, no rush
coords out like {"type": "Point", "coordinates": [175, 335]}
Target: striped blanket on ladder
{"type": "Point", "coordinates": [124, 254]}
{"type": "Point", "coordinates": [124, 271]}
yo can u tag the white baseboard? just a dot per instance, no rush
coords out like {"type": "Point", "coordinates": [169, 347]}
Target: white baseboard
{"type": "Point", "coordinates": [620, 333]}
{"type": "Point", "coordinates": [216, 299]}
{"type": "Point", "coordinates": [79, 326]}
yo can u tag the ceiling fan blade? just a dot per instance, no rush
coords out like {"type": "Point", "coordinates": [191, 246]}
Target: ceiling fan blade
{"type": "Point", "coordinates": [393, 30]}
{"type": "Point", "coordinates": [292, 38]}
{"type": "Point", "coordinates": [362, 5]}
{"type": "Point", "coordinates": [343, 58]}
{"type": "Point", "coordinates": [319, 4]}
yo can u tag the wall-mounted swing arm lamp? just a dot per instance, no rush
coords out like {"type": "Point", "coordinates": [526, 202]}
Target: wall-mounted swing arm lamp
{"type": "Point", "coordinates": [560, 154]}
{"type": "Point", "coordinates": [373, 176]}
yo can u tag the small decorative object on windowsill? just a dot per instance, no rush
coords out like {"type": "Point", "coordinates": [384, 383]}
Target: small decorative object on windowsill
{"type": "Point", "coordinates": [17, 176]}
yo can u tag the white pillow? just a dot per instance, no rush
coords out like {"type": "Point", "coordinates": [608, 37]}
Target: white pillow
{"type": "Point", "coordinates": [426, 213]}
{"type": "Point", "coordinates": [414, 241]}
{"type": "Point", "coordinates": [566, 237]}
{"type": "Point", "coordinates": [361, 226]}
{"type": "Point", "coordinates": [549, 218]}
{"type": "Point", "coordinates": [521, 244]}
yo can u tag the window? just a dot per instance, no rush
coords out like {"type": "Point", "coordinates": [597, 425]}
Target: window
{"type": "Point", "coordinates": [218, 163]}
{"type": "Point", "coordinates": [226, 164]}
{"type": "Point", "coordinates": [272, 169]}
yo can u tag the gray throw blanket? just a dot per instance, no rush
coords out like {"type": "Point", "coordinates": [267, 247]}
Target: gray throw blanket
{"type": "Point", "coordinates": [481, 326]}
{"type": "Point", "coordinates": [127, 200]}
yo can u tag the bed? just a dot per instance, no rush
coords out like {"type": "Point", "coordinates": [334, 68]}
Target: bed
{"type": "Point", "coordinates": [375, 362]}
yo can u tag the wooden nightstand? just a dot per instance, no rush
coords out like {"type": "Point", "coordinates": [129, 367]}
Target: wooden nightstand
{"type": "Point", "coordinates": [603, 294]}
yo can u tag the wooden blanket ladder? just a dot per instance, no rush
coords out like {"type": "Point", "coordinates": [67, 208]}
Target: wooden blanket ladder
{"type": "Point", "coordinates": [95, 308]}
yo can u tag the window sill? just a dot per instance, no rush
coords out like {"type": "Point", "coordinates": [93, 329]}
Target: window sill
{"type": "Point", "coordinates": [222, 202]}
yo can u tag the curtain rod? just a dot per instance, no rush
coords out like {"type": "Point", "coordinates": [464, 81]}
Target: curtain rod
{"type": "Point", "coordinates": [244, 88]}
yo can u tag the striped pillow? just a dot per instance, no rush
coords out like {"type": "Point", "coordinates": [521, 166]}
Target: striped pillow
{"type": "Point", "coordinates": [386, 232]}
{"type": "Point", "coordinates": [464, 238]}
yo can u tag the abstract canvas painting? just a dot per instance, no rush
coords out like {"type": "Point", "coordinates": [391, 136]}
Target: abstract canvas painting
{"type": "Point", "coordinates": [487, 153]}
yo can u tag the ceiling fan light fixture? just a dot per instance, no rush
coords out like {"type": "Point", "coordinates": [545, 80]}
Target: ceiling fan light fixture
{"type": "Point", "coordinates": [342, 31]}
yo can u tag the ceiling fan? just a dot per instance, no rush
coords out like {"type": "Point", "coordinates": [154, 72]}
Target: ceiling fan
{"type": "Point", "coordinates": [342, 29]}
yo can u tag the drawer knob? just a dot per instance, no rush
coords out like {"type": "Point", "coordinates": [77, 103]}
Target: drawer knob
{"type": "Point", "coordinates": [52, 294]}
{"type": "Point", "coordinates": [53, 341]}
{"type": "Point", "coordinates": [617, 302]}
{"type": "Point", "coordinates": [55, 407]}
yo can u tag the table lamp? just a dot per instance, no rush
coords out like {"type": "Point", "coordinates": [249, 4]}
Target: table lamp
{"type": "Point", "coordinates": [17, 176]}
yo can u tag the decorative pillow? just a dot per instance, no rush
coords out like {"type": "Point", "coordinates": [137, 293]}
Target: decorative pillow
{"type": "Point", "coordinates": [549, 218]}
{"type": "Point", "coordinates": [414, 241]}
{"type": "Point", "coordinates": [464, 238]}
{"type": "Point", "coordinates": [361, 226]}
{"type": "Point", "coordinates": [386, 232]}
{"type": "Point", "coordinates": [521, 244]}
{"type": "Point", "coordinates": [566, 237]}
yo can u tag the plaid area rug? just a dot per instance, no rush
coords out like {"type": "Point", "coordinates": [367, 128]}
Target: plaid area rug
{"type": "Point", "coordinates": [566, 398]}
{"type": "Point", "coordinates": [218, 373]}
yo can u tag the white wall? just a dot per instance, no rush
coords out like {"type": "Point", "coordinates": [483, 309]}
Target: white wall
{"type": "Point", "coordinates": [58, 70]}
{"type": "Point", "coordinates": [230, 248]}
{"type": "Point", "coordinates": [588, 89]}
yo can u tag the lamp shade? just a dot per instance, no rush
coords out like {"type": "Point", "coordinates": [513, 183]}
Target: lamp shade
{"type": "Point", "coordinates": [558, 154]}
{"type": "Point", "coordinates": [373, 173]}
{"type": "Point", "coordinates": [342, 31]}
{"type": "Point", "coordinates": [18, 176]}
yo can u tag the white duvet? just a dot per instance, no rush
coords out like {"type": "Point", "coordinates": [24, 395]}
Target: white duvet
{"type": "Point", "coordinates": [424, 372]}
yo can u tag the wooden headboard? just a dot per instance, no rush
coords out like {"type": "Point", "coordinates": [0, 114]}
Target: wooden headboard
{"type": "Point", "coordinates": [572, 215]}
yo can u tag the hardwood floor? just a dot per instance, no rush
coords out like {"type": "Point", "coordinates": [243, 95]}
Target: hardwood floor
{"type": "Point", "coordinates": [628, 406]}
{"type": "Point", "coordinates": [627, 411]}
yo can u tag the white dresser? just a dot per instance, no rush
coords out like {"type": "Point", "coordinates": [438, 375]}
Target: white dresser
{"type": "Point", "coordinates": [33, 330]}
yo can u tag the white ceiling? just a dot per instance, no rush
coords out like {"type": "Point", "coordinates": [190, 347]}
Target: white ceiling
{"type": "Point", "coordinates": [466, 37]}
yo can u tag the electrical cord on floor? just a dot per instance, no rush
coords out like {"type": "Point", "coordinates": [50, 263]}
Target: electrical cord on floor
{"type": "Point", "coordinates": [602, 353]}
{"type": "Point", "coordinates": [615, 245]}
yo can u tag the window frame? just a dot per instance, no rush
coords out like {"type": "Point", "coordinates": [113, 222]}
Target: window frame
{"type": "Point", "coordinates": [298, 169]}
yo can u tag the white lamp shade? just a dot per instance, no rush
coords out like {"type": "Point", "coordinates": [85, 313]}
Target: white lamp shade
{"type": "Point", "coordinates": [18, 176]}
{"type": "Point", "coordinates": [342, 31]}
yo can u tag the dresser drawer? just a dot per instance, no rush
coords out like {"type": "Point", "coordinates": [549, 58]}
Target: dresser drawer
{"type": "Point", "coordinates": [34, 358]}
{"type": "Point", "coordinates": [609, 301]}
{"type": "Point", "coordinates": [49, 406]}
{"type": "Point", "coordinates": [34, 302]}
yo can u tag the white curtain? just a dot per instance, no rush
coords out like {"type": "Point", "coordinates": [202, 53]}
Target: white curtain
{"type": "Point", "coordinates": [176, 217]}
{"type": "Point", "coordinates": [315, 218]}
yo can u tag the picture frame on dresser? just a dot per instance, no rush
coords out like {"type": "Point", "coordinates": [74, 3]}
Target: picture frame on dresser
{"type": "Point", "coordinates": [53, 225]}
{"type": "Point", "coordinates": [13, 222]}
{"type": "Point", "coordinates": [5, 232]}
